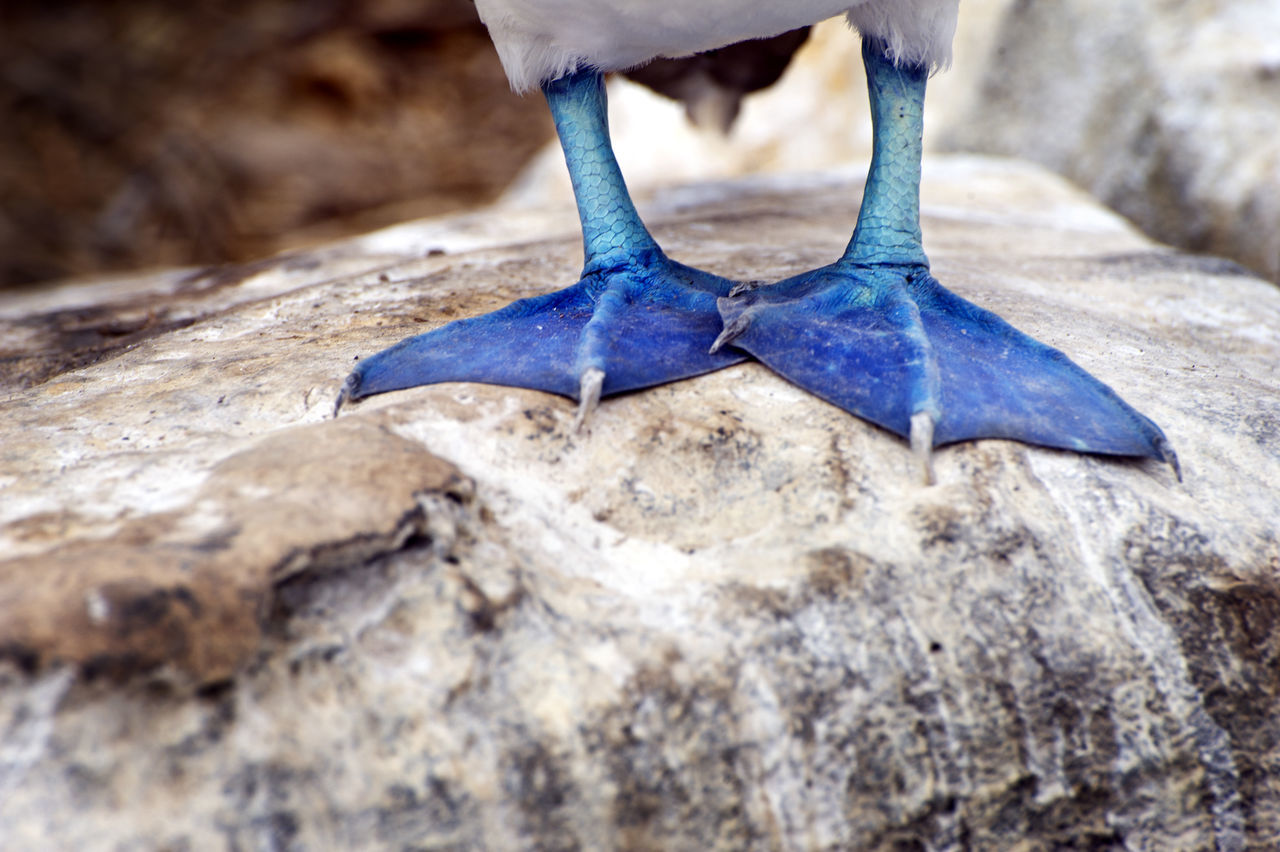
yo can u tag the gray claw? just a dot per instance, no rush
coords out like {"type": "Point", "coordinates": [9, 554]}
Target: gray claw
{"type": "Point", "coordinates": [922, 444]}
{"type": "Point", "coordinates": [590, 384]}
{"type": "Point", "coordinates": [731, 332]}
{"type": "Point", "coordinates": [745, 287]}
{"type": "Point", "coordinates": [1167, 454]}
{"type": "Point", "coordinates": [347, 394]}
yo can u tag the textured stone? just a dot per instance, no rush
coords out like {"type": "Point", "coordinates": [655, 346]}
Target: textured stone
{"type": "Point", "coordinates": [726, 616]}
{"type": "Point", "coordinates": [186, 587]}
{"type": "Point", "coordinates": [1165, 110]}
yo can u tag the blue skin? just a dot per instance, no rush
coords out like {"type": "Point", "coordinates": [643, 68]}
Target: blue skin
{"type": "Point", "coordinates": [636, 316]}
{"type": "Point", "coordinates": [873, 333]}
{"type": "Point", "coordinates": [877, 335]}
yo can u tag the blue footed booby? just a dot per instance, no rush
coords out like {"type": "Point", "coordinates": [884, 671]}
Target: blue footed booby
{"type": "Point", "coordinates": [873, 332]}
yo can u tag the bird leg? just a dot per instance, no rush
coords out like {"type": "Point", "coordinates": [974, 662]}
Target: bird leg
{"type": "Point", "coordinates": [877, 335]}
{"type": "Point", "coordinates": [635, 318]}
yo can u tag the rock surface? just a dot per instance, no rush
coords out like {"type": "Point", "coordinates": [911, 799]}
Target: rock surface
{"type": "Point", "coordinates": [1163, 109]}
{"type": "Point", "coordinates": [725, 617]}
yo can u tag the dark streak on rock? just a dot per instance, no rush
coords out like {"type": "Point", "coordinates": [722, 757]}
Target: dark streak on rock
{"type": "Point", "coordinates": [115, 667]}
{"type": "Point", "coordinates": [539, 782]}
{"type": "Point", "coordinates": [1227, 621]}
{"type": "Point", "coordinates": [482, 610]}
{"type": "Point", "coordinates": [437, 811]}
{"type": "Point", "coordinates": [219, 714]}
{"type": "Point", "coordinates": [658, 802]}
{"type": "Point", "coordinates": [1164, 262]}
{"type": "Point", "coordinates": [23, 657]}
{"type": "Point", "coordinates": [80, 337]}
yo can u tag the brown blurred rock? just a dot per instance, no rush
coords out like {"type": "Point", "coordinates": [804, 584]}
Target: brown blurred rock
{"type": "Point", "coordinates": [725, 617]}
{"type": "Point", "coordinates": [143, 134]}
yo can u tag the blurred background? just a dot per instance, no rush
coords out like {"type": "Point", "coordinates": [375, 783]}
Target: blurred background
{"type": "Point", "coordinates": [143, 133]}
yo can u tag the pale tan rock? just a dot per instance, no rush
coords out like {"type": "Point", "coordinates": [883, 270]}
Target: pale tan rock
{"type": "Point", "coordinates": [727, 616]}
{"type": "Point", "coordinates": [1165, 110]}
{"type": "Point", "coordinates": [187, 588]}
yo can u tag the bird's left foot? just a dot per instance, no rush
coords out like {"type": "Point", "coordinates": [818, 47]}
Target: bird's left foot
{"type": "Point", "coordinates": [893, 346]}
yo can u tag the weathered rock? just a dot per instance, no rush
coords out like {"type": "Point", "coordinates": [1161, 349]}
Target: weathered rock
{"type": "Point", "coordinates": [1165, 110]}
{"type": "Point", "coordinates": [725, 617]}
{"type": "Point", "coordinates": [186, 588]}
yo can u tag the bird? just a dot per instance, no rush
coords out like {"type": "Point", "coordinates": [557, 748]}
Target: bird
{"type": "Point", "coordinates": [873, 332]}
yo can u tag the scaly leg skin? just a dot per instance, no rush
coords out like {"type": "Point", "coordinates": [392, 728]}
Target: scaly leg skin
{"type": "Point", "coordinates": [634, 320]}
{"type": "Point", "coordinates": [877, 335]}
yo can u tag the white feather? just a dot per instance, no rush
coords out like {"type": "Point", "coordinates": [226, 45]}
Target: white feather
{"type": "Point", "coordinates": [539, 40]}
{"type": "Point", "coordinates": [917, 31]}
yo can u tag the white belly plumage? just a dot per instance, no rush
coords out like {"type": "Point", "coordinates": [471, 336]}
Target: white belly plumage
{"type": "Point", "coordinates": [541, 39]}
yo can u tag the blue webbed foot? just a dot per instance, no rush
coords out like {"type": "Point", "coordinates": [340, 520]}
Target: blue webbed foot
{"type": "Point", "coordinates": [646, 322]}
{"type": "Point", "coordinates": [634, 320]}
{"type": "Point", "coordinates": [893, 346]}
{"type": "Point", "coordinates": [877, 335]}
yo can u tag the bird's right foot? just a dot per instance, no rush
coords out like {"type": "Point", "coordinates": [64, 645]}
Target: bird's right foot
{"type": "Point", "coordinates": [641, 320]}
